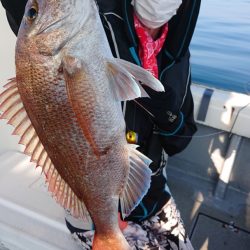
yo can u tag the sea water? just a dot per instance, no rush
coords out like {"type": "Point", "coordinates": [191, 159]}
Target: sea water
{"type": "Point", "coordinates": [220, 47]}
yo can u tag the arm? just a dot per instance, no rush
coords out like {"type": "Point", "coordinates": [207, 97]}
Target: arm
{"type": "Point", "coordinates": [174, 143]}
{"type": "Point", "coordinates": [173, 109]}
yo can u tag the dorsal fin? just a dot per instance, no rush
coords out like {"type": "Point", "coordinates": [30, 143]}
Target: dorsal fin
{"type": "Point", "coordinates": [12, 109]}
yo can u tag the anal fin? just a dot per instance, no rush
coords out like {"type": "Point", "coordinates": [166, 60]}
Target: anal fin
{"type": "Point", "coordinates": [138, 180]}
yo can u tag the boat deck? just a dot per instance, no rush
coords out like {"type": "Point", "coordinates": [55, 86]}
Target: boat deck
{"type": "Point", "coordinates": [215, 220]}
{"type": "Point", "coordinates": [212, 223]}
{"type": "Point", "coordinates": [31, 219]}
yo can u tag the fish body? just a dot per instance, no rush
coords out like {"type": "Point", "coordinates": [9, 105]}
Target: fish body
{"type": "Point", "coordinates": [65, 105]}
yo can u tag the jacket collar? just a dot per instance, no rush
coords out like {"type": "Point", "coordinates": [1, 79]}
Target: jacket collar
{"type": "Point", "coordinates": [181, 28]}
{"type": "Point", "coordinates": [127, 12]}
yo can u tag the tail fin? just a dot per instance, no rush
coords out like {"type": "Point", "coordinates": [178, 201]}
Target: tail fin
{"type": "Point", "coordinates": [138, 181]}
{"type": "Point", "coordinates": [114, 241]}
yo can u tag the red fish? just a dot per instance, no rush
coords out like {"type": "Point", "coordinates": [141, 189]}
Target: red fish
{"type": "Point", "coordinates": [65, 105]}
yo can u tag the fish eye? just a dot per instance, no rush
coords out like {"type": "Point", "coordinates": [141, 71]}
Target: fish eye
{"type": "Point", "coordinates": [32, 13]}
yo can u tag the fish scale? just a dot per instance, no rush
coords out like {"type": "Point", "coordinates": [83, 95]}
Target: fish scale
{"type": "Point", "coordinates": [68, 92]}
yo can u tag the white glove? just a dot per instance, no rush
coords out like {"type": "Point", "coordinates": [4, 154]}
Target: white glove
{"type": "Point", "coordinates": [154, 13]}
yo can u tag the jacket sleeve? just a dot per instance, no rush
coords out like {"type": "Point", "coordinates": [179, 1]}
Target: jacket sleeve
{"type": "Point", "coordinates": [175, 142]}
{"type": "Point", "coordinates": [173, 109]}
{"type": "Point", "coordinates": [14, 11]}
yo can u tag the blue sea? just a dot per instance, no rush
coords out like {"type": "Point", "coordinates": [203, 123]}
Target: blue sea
{"type": "Point", "coordinates": [220, 47]}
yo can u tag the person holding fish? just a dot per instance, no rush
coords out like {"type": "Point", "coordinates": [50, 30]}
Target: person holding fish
{"type": "Point", "coordinates": [154, 35]}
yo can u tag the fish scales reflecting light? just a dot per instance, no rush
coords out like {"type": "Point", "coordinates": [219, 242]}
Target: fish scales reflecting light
{"type": "Point", "coordinates": [65, 106]}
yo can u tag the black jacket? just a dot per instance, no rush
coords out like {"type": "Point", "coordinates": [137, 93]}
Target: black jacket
{"type": "Point", "coordinates": [172, 126]}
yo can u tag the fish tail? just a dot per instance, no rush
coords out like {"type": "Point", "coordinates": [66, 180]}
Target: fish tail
{"type": "Point", "coordinates": [138, 182]}
{"type": "Point", "coordinates": [111, 241]}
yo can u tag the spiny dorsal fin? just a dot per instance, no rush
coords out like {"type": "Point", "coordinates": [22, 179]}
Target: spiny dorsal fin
{"type": "Point", "coordinates": [12, 109]}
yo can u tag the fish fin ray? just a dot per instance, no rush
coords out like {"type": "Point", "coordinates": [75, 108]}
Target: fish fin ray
{"type": "Point", "coordinates": [12, 109]}
{"type": "Point", "coordinates": [10, 104]}
{"type": "Point", "coordinates": [11, 82]}
{"type": "Point", "coordinates": [65, 196]}
{"type": "Point", "coordinates": [31, 146]}
{"type": "Point", "coordinates": [27, 135]}
{"type": "Point", "coordinates": [138, 180]}
{"type": "Point", "coordinates": [15, 120]}
{"type": "Point", "coordinates": [126, 79]}
{"type": "Point", "coordinates": [37, 152]}
{"type": "Point", "coordinates": [42, 158]}
{"type": "Point", "coordinates": [141, 75]}
{"type": "Point", "coordinates": [8, 93]}
{"type": "Point", "coordinates": [124, 86]}
{"type": "Point", "coordinates": [22, 126]}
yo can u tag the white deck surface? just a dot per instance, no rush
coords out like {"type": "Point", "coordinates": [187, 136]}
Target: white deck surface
{"type": "Point", "coordinates": [29, 217]}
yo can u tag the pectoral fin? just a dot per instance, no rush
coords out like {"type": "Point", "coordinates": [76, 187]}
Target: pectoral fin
{"type": "Point", "coordinates": [126, 79]}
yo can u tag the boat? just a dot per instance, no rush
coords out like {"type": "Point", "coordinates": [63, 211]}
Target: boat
{"type": "Point", "coordinates": [210, 179]}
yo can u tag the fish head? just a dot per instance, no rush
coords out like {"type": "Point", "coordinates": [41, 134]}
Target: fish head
{"type": "Point", "coordinates": [49, 25]}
